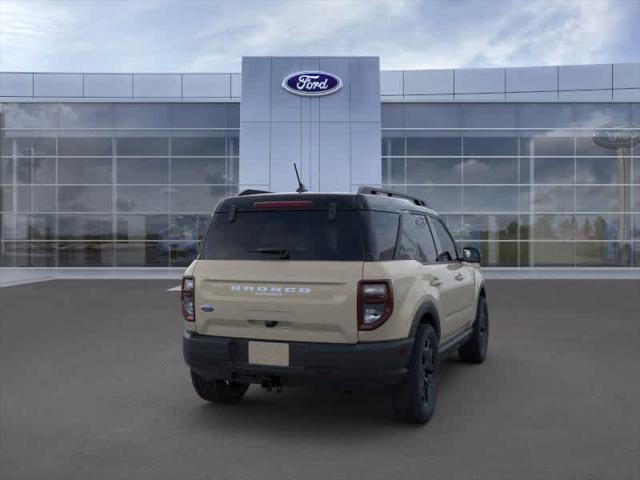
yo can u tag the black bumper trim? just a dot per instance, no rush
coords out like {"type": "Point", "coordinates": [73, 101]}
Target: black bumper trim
{"type": "Point", "coordinates": [380, 363]}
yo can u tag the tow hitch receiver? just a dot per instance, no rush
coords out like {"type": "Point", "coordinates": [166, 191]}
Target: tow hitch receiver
{"type": "Point", "coordinates": [269, 383]}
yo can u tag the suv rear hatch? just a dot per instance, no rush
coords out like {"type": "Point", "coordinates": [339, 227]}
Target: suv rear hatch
{"type": "Point", "coordinates": [282, 267]}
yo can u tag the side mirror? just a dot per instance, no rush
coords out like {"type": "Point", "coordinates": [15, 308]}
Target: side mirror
{"type": "Point", "coordinates": [471, 255]}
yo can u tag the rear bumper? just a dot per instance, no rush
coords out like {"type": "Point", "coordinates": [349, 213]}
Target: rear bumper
{"type": "Point", "coordinates": [375, 364]}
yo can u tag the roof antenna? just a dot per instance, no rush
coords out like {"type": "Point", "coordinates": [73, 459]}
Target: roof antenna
{"type": "Point", "coordinates": [301, 188]}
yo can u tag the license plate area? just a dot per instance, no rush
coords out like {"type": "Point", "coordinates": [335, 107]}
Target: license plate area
{"type": "Point", "coordinates": [273, 354]}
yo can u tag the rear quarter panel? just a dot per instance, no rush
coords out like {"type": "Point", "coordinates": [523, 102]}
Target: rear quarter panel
{"type": "Point", "coordinates": [410, 281]}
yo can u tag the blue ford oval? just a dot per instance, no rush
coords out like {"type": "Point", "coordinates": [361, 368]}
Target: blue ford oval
{"type": "Point", "coordinates": [312, 83]}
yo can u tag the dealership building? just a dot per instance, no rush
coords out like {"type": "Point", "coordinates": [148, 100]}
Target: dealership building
{"type": "Point", "coordinates": [537, 167]}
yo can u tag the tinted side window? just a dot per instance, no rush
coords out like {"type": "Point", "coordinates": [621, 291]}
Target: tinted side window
{"type": "Point", "coordinates": [415, 241]}
{"type": "Point", "coordinates": [382, 228]}
{"type": "Point", "coordinates": [446, 244]}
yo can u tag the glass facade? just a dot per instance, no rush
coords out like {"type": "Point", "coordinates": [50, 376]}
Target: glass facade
{"type": "Point", "coordinates": [112, 184]}
{"type": "Point", "coordinates": [529, 185]}
{"type": "Point", "coordinates": [133, 184]}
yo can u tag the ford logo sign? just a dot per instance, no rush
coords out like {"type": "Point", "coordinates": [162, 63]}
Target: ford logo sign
{"type": "Point", "coordinates": [312, 84]}
{"type": "Point", "coordinates": [616, 135]}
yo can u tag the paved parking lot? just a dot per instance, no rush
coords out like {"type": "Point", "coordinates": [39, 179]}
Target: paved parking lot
{"type": "Point", "coordinates": [92, 385]}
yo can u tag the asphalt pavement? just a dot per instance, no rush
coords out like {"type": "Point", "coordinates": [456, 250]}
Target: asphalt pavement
{"type": "Point", "coordinates": [92, 385]}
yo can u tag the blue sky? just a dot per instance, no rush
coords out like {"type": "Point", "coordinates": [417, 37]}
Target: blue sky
{"type": "Point", "coordinates": [212, 36]}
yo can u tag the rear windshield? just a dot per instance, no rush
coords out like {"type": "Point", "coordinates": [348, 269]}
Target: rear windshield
{"type": "Point", "coordinates": [291, 235]}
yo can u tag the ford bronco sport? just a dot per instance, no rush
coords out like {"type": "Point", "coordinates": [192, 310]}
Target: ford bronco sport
{"type": "Point", "coordinates": [350, 289]}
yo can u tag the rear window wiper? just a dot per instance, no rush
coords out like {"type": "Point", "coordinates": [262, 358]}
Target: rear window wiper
{"type": "Point", "coordinates": [284, 254]}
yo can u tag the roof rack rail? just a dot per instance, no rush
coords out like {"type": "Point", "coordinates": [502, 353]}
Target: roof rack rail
{"type": "Point", "coordinates": [390, 193]}
{"type": "Point", "coordinates": [251, 191]}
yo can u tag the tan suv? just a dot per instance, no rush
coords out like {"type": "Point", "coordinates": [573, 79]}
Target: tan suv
{"type": "Point", "coordinates": [365, 289]}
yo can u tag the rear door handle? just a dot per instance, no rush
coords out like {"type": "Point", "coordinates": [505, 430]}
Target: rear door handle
{"type": "Point", "coordinates": [459, 277]}
{"type": "Point", "coordinates": [435, 282]}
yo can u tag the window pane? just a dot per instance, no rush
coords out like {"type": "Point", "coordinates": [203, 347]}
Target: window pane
{"type": "Point", "coordinates": [199, 115]}
{"type": "Point", "coordinates": [6, 199]}
{"type": "Point", "coordinates": [392, 146]}
{"type": "Point", "coordinates": [94, 146]}
{"type": "Point", "coordinates": [85, 227]}
{"type": "Point", "coordinates": [496, 254]}
{"type": "Point", "coordinates": [553, 170]}
{"type": "Point", "coordinates": [636, 167]}
{"type": "Point", "coordinates": [434, 170]}
{"type": "Point", "coordinates": [35, 227]}
{"type": "Point", "coordinates": [489, 146]}
{"type": "Point", "coordinates": [183, 253]}
{"type": "Point", "coordinates": [491, 227]}
{"type": "Point", "coordinates": [143, 227]}
{"type": "Point", "coordinates": [427, 115]}
{"type": "Point", "coordinates": [85, 254]}
{"type": "Point", "coordinates": [189, 227]}
{"type": "Point", "coordinates": [548, 146]}
{"type": "Point", "coordinates": [393, 170]}
{"type": "Point", "coordinates": [148, 254]}
{"type": "Point", "coordinates": [441, 199]}
{"type": "Point", "coordinates": [490, 170]}
{"type": "Point", "coordinates": [454, 224]}
{"type": "Point", "coordinates": [6, 170]}
{"type": "Point", "coordinates": [586, 146]}
{"type": "Point", "coordinates": [392, 115]}
{"type": "Point", "coordinates": [86, 115]}
{"type": "Point", "coordinates": [550, 227]}
{"type": "Point", "coordinates": [29, 115]}
{"type": "Point", "coordinates": [550, 254]}
{"type": "Point", "coordinates": [445, 243]}
{"type": "Point", "coordinates": [141, 115]}
{"type": "Point", "coordinates": [36, 198]}
{"type": "Point", "coordinates": [143, 199]}
{"type": "Point", "coordinates": [143, 170]}
{"type": "Point", "coordinates": [491, 199]}
{"type": "Point", "coordinates": [609, 254]}
{"type": "Point", "coordinates": [604, 198]}
{"type": "Point", "coordinates": [199, 170]}
{"type": "Point", "coordinates": [415, 241]}
{"type": "Point", "coordinates": [553, 199]}
{"type": "Point", "coordinates": [34, 146]}
{"type": "Point", "coordinates": [84, 199]}
{"type": "Point", "coordinates": [198, 146]}
{"type": "Point", "coordinates": [36, 170]}
{"type": "Point", "coordinates": [433, 146]}
{"type": "Point", "coordinates": [603, 226]}
{"type": "Point", "coordinates": [196, 199]}
{"type": "Point", "coordinates": [145, 146]}
{"type": "Point", "coordinates": [36, 254]}
{"type": "Point", "coordinates": [84, 170]}
{"type": "Point", "coordinates": [603, 170]}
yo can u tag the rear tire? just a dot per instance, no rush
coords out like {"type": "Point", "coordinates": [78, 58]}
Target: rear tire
{"type": "Point", "coordinates": [218, 391]}
{"type": "Point", "coordinates": [475, 349]}
{"type": "Point", "coordinates": [415, 401]}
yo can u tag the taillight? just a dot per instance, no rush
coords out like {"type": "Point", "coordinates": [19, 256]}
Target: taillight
{"type": "Point", "coordinates": [375, 303]}
{"type": "Point", "coordinates": [186, 298]}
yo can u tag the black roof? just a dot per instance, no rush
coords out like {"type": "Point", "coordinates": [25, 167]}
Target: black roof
{"type": "Point", "coordinates": [322, 201]}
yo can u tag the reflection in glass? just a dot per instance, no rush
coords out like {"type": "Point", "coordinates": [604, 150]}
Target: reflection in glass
{"type": "Point", "coordinates": [144, 146]}
{"type": "Point", "coordinates": [34, 227]}
{"type": "Point", "coordinates": [198, 146]}
{"type": "Point", "coordinates": [497, 254]}
{"type": "Point", "coordinates": [423, 146]}
{"type": "Point", "coordinates": [603, 198]}
{"type": "Point", "coordinates": [490, 170]}
{"type": "Point", "coordinates": [31, 254]}
{"type": "Point", "coordinates": [551, 198]}
{"type": "Point", "coordinates": [143, 199]}
{"type": "Point", "coordinates": [196, 199]}
{"type": "Point", "coordinates": [433, 170]}
{"type": "Point", "coordinates": [603, 170]}
{"type": "Point", "coordinates": [6, 199]}
{"type": "Point", "coordinates": [36, 170]}
{"type": "Point", "coordinates": [183, 253]}
{"type": "Point", "coordinates": [550, 227]}
{"type": "Point", "coordinates": [84, 170]}
{"type": "Point", "coordinates": [553, 170]}
{"type": "Point", "coordinates": [189, 227]}
{"type": "Point", "coordinates": [85, 227]}
{"type": "Point", "coordinates": [603, 226]}
{"type": "Point", "coordinates": [490, 146]}
{"type": "Point", "coordinates": [36, 198]}
{"type": "Point", "coordinates": [85, 254]}
{"type": "Point", "coordinates": [143, 170]}
{"type": "Point", "coordinates": [392, 145]}
{"type": "Point", "coordinates": [548, 254]}
{"type": "Point", "coordinates": [90, 146]}
{"type": "Point", "coordinates": [491, 199]}
{"type": "Point", "coordinates": [143, 227]}
{"type": "Point", "coordinates": [610, 254]}
{"type": "Point", "coordinates": [199, 170]}
{"type": "Point", "coordinates": [32, 146]}
{"type": "Point", "coordinates": [84, 199]}
{"type": "Point", "coordinates": [142, 254]}
{"type": "Point", "coordinates": [491, 227]}
{"type": "Point", "coordinates": [6, 170]}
